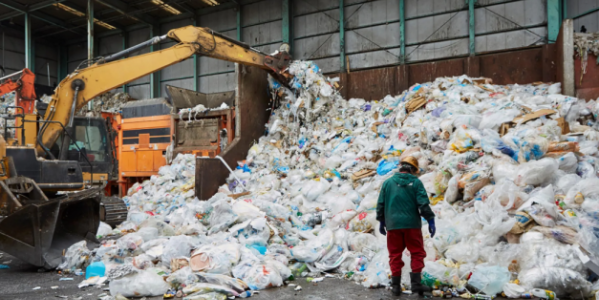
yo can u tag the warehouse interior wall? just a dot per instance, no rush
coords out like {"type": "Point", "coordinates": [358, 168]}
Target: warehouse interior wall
{"type": "Point", "coordinates": [339, 35]}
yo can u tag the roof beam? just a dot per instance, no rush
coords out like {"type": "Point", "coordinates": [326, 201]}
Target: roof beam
{"type": "Point", "coordinates": [122, 8]}
{"type": "Point", "coordinates": [30, 8]}
{"type": "Point", "coordinates": [38, 15]}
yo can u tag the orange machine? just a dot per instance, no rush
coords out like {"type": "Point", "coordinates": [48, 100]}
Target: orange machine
{"type": "Point", "coordinates": [146, 128]}
{"type": "Point", "coordinates": [25, 99]}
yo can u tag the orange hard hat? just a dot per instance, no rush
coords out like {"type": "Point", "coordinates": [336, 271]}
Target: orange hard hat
{"type": "Point", "coordinates": [411, 160]}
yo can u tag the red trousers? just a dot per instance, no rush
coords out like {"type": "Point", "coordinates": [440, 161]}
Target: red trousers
{"type": "Point", "coordinates": [397, 241]}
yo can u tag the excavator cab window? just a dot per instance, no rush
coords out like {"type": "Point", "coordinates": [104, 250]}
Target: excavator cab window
{"type": "Point", "coordinates": [90, 137]}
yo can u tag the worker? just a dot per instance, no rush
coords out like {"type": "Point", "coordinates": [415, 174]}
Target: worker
{"type": "Point", "coordinates": [401, 205]}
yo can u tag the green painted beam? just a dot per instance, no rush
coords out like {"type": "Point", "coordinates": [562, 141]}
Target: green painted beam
{"type": "Point", "coordinates": [90, 40]}
{"type": "Point", "coordinates": [402, 30]}
{"type": "Point", "coordinates": [196, 62]}
{"type": "Point", "coordinates": [285, 13]}
{"type": "Point", "coordinates": [29, 56]}
{"type": "Point", "coordinates": [471, 22]}
{"type": "Point", "coordinates": [238, 22]}
{"type": "Point", "coordinates": [90, 30]}
{"type": "Point", "coordinates": [155, 77]}
{"type": "Point", "coordinates": [564, 9]}
{"type": "Point", "coordinates": [342, 35]}
{"type": "Point", "coordinates": [553, 19]}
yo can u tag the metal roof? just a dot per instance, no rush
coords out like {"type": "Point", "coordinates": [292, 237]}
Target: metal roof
{"type": "Point", "coordinates": [66, 19]}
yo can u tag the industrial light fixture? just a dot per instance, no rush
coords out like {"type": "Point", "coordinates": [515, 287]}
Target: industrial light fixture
{"type": "Point", "coordinates": [81, 14]}
{"type": "Point", "coordinates": [211, 2]}
{"type": "Point", "coordinates": [166, 7]}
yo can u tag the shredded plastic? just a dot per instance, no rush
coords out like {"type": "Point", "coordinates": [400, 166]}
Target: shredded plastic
{"type": "Point", "coordinates": [512, 201]}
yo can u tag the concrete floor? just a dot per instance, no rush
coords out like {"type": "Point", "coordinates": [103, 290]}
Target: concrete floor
{"type": "Point", "coordinates": [18, 281]}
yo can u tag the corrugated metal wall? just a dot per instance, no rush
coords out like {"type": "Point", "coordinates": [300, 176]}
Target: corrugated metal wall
{"type": "Point", "coordinates": [590, 21]}
{"type": "Point", "coordinates": [435, 29]}
{"type": "Point", "coordinates": [14, 58]}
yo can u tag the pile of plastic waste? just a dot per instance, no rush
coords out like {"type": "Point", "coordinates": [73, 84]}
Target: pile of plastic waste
{"type": "Point", "coordinates": [511, 172]}
{"type": "Point", "coordinates": [585, 44]}
{"type": "Point", "coordinates": [107, 102]}
{"type": "Point", "coordinates": [6, 101]}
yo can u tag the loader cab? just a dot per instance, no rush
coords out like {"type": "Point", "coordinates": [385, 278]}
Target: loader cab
{"type": "Point", "coordinates": [91, 148]}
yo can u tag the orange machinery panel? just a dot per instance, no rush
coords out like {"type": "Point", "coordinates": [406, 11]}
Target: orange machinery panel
{"type": "Point", "coordinates": [142, 144]}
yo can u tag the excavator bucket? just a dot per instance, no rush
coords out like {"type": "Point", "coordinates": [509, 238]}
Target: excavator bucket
{"type": "Point", "coordinates": [37, 230]}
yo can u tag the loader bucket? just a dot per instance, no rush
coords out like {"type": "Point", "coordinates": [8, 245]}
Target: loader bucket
{"type": "Point", "coordinates": [39, 230]}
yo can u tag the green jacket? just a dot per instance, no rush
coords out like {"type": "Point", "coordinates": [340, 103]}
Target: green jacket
{"type": "Point", "coordinates": [402, 201]}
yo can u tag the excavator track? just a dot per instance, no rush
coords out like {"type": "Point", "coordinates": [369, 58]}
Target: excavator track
{"type": "Point", "coordinates": [113, 211]}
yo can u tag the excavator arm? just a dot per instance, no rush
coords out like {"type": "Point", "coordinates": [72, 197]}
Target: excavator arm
{"type": "Point", "coordinates": [109, 73]}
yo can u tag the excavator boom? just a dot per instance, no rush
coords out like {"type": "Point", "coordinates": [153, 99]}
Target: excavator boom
{"type": "Point", "coordinates": [109, 73]}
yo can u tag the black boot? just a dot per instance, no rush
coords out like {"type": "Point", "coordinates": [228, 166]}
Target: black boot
{"type": "Point", "coordinates": [417, 286]}
{"type": "Point", "coordinates": [396, 285]}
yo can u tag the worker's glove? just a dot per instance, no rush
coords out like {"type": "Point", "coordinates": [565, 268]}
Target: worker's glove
{"type": "Point", "coordinates": [382, 229]}
{"type": "Point", "coordinates": [431, 227]}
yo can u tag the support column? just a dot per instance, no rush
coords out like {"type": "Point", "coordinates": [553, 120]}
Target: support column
{"type": "Point", "coordinates": [554, 21]}
{"type": "Point", "coordinates": [155, 77]}
{"type": "Point", "coordinates": [196, 62]}
{"type": "Point", "coordinates": [90, 40]}
{"type": "Point", "coordinates": [239, 22]}
{"type": "Point", "coordinates": [125, 45]}
{"type": "Point", "coordinates": [90, 31]}
{"type": "Point", "coordinates": [342, 35]}
{"type": "Point", "coordinates": [63, 64]}
{"type": "Point", "coordinates": [471, 27]}
{"type": "Point", "coordinates": [402, 31]}
{"type": "Point", "coordinates": [29, 51]}
{"type": "Point", "coordinates": [286, 21]}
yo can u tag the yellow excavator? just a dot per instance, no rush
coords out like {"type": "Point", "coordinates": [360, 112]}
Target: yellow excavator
{"type": "Point", "coordinates": [37, 229]}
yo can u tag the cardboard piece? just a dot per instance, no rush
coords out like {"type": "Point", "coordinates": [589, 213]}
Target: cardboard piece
{"type": "Point", "coordinates": [235, 196]}
{"type": "Point", "coordinates": [563, 147]}
{"type": "Point", "coordinates": [362, 174]}
{"type": "Point", "coordinates": [535, 115]}
{"type": "Point", "coordinates": [415, 103]}
{"type": "Point", "coordinates": [503, 129]}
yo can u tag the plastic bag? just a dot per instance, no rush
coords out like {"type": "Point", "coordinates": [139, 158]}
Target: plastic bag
{"type": "Point", "coordinates": [261, 276]}
{"type": "Point", "coordinates": [451, 194]}
{"type": "Point", "coordinates": [472, 182]}
{"type": "Point", "coordinates": [144, 283]}
{"type": "Point", "coordinates": [103, 230]}
{"type": "Point", "coordinates": [363, 222]}
{"type": "Point", "coordinates": [215, 259]}
{"type": "Point", "coordinates": [76, 257]}
{"type": "Point", "coordinates": [568, 163]}
{"type": "Point", "coordinates": [314, 249]}
{"type": "Point", "coordinates": [540, 206]}
{"type": "Point", "coordinates": [585, 190]}
{"type": "Point", "coordinates": [378, 271]}
{"type": "Point", "coordinates": [536, 172]}
{"type": "Point", "coordinates": [588, 236]}
{"type": "Point", "coordinates": [562, 234]}
{"type": "Point", "coordinates": [177, 246]}
{"type": "Point", "coordinates": [512, 290]}
{"type": "Point", "coordinates": [489, 279]}
{"type": "Point", "coordinates": [564, 282]}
